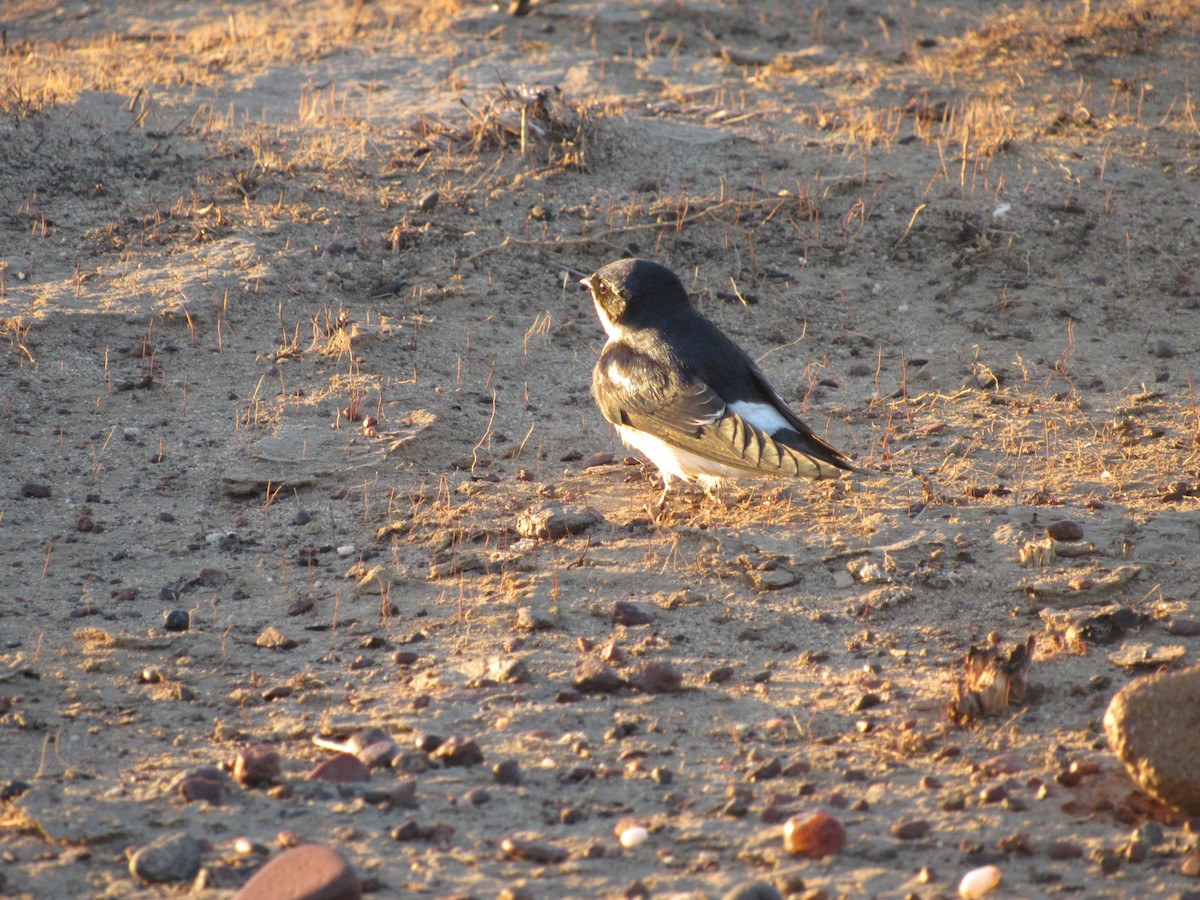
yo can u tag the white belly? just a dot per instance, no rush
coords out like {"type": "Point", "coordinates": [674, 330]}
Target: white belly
{"type": "Point", "coordinates": [674, 462]}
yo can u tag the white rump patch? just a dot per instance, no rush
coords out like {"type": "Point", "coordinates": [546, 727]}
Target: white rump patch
{"type": "Point", "coordinates": [763, 416]}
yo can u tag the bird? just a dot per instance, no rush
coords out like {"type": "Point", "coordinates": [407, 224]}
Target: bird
{"type": "Point", "coordinates": [679, 390]}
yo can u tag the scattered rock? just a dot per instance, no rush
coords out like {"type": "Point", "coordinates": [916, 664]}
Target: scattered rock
{"type": "Point", "coordinates": [814, 834]}
{"type": "Point", "coordinates": [343, 768]}
{"type": "Point", "coordinates": [911, 829]}
{"type": "Point", "coordinates": [530, 619]}
{"type": "Point", "coordinates": [507, 772]}
{"type": "Point", "coordinates": [753, 890]}
{"type": "Point", "coordinates": [274, 639]}
{"type": "Point", "coordinates": [307, 872]}
{"type": "Point", "coordinates": [429, 201]}
{"type": "Point", "coordinates": [458, 751]}
{"type": "Point", "coordinates": [1065, 530]}
{"type": "Point", "coordinates": [532, 851]}
{"type": "Point", "coordinates": [594, 676]}
{"type": "Point", "coordinates": [257, 764]}
{"type": "Point", "coordinates": [552, 521]}
{"type": "Point", "coordinates": [655, 678]}
{"type": "Point", "coordinates": [35, 490]}
{"type": "Point", "coordinates": [1153, 727]}
{"type": "Point", "coordinates": [1161, 350]}
{"type": "Point", "coordinates": [176, 620]}
{"type": "Point", "coordinates": [1140, 655]}
{"type": "Point", "coordinates": [632, 612]}
{"type": "Point", "coordinates": [173, 857]}
{"type": "Point", "coordinates": [979, 882]}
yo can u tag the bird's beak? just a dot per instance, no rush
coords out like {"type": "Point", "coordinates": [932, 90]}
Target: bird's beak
{"type": "Point", "coordinates": [591, 283]}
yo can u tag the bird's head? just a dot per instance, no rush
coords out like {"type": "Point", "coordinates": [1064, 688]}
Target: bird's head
{"type": "Point", "coordinates": [635, 293]}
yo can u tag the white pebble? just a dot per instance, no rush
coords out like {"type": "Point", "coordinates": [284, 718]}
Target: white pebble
{"type": "Point", "coordinates": [1000, 212]}
{"type": "Point", "coordinates": [215, 537]}
{"type": "Point", "coordinates": [978, 882]}
{"type": "Point", "coordinates": [634, 836]}
{"type": "Point", "coordinates": [346, 550]}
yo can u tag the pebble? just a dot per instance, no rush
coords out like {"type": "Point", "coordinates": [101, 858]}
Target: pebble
{"type": "Point", "coordinates": [979, 882]}
{"type": "Point", "coordinates": [633, 836]}
{"type": "Point", "coordinates": [176, 620]}
{"type": "Point", "coordinates": [632, 612]}
{"type": "Point", "coordinates": [356, 743]}
{"type": "Point", "coordinates": [594, 676]}
{"type": "Point", "coordinates": [307, 872]}
{"type": "Point", "coordinates": [753, 890]}
{"type": "Point", "coordinates": [532, 851]}
{"type": "Point", "coordinates": [1161, 349]}
{"type": "Point", "coordinates": [429, 201]}
{"type": "Point", "coordinates": [208, 784]}
{"type": "Point", "coordinates": [458, 751]}
{"type": "Point", "coordinates": [1065, 530]}
{"type": "Point", "coordinates": [1060, 850]}
{"type": "Point", "coordinates": [342, 768]}
{"type": "Point", "coordinates": [1005, 764]}
{"type": "Point", "coordinates": [530, 619]}
{"type": "Point", "coordinates": [35, 490]}
{"type": "Point", "coordinates": [655, 678]}
{"type": "Point", "coordinates": [379, 755]}
{"type": "Point", "coordinates": [911, 829]}
{"type": "Point", "coordinates": [1190, 865]}
{"type": "Point", "coordinates": [256, 764]}
{"type": "Point", "coordinates": [1158, 745]}
{"type": "Point", "coordinates": [507, 772]}
{"type": "Point", "coordinates": [814, 834]}
{"type": "Point", "coordinates": [553, 521]}
{"type": "Point", "coordinates": [173, 857]}
{"type": "Point", "coordinates": [272, 638]}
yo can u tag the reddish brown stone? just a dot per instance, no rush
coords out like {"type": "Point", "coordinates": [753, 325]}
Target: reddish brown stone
{"type": "Point", "coordinates": [341, 767]}
{"type": "Point", "coordinates": [307, 872]}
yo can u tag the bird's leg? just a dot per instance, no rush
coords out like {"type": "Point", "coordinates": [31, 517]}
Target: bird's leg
{"type": "Point", "coordinates": [714, 490]}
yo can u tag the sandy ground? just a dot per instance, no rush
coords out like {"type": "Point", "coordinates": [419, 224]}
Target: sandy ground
{"type": "Point", "coordinates": [962, 241]}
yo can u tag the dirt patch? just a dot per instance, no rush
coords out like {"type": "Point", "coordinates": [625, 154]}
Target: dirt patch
{"type": "Point", "coordinates": [294, 353]}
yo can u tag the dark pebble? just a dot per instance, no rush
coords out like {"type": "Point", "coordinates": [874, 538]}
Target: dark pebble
{"type": "Point", "coordinates": [594, 676]}
{"type": "Point", "coordinates": [532, 851]}
{"type": "Point", "coordinates": [174, 857]}
{"type": "Point", "coordinates": [719, 675]}
{"type": "Point", "coordinates": [209, 785]}
{"type": "Point", "coordinates": [257, 764]}
{"type": "Point", "coordinates": [911, 829]}
{"type": "Point", "coordinates": [655, 678]}
{"type": "Point", "coordinates": [1065, 530]}
{"type": "Point", "coordinates": [35, 490]}
{"type": "Point", "coordinates": [458, 751]}
{"type": "Point", "coordinates": [632, 612]}
{"type": "Point", "coordinates": [176, 620]}
{"type": "Point", "coordinates": [507, 772]}
{"type": "Point", "coordinates": [405, 657]}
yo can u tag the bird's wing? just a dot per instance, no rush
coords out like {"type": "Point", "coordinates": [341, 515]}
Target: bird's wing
{"type": "Point", "coordinates": [634, 390]}
{"type": "Point", "coordinates": [803, 440]}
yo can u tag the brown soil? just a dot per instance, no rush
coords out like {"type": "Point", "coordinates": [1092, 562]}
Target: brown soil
{"type": "Point", "coordinates": [962, 241]}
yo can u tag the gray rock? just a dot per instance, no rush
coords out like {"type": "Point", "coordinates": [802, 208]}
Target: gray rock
{"type": "Point", "coordinates": [552, 521]}
{"type": "Point", "coordinates": [173, 857]}
{"type": "Point", "coordinates": [753, 890]}
{"type": "Point", "coordinates": [1153, 726]}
